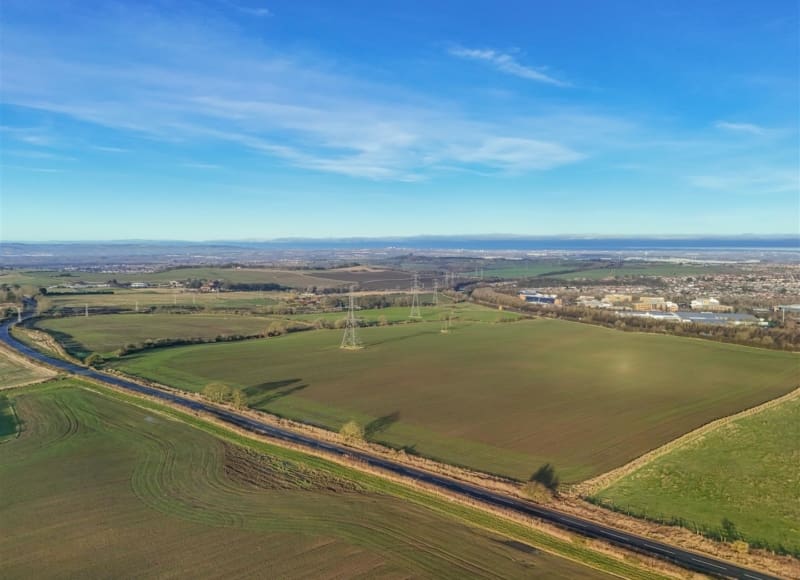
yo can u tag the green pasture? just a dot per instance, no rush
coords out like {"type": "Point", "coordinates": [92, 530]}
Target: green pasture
{"type": "Point", "coordinates": [459, 312]}
{"type": "Point", "coordinates": [106, 333]}
{"type": "Point", "coordinates": [747, 471]}
{"type": "Point", "coordinates": [156, 297]}
{"type": "Point", "coordinates": [290, 278]}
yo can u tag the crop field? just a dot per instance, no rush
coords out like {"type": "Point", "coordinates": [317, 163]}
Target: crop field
{"type": "Point", "coordinates": [460, 312]}
{"type": "Point", "coordinates": [14, 371]}
{"type": "Point", "coordinates": [289, 278]}
{"type": "Point", "coordinates": [370, 278]}
{"type": "Point", "coordinates": [748, 471]}
{"type": "Point", "coordinates": [579, 270]}
{"type": "Point", "coordinates": [107, 333]}
{"type": "Point", "coordinates": [131, 299]}
{"type": "Point", "coordinates": [502, 398]}
{"type": "Point", "coordinates": [95, 487]}
{"type": "Point", "coordinates": [529, 269]}
{"type": "Point", "coordinates": [644, 270]}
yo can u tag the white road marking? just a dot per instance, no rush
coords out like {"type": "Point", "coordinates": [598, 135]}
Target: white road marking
{"type": "Point", "coordinates": [709, 563]}
{"type": "Point", "coordinates": [659, 548]}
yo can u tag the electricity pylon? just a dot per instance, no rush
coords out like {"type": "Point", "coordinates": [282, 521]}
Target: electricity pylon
{"type": "Point", "coordinates": [350, 340]}
{"type": "Point", "coordinates": [86, 311]}
{"type": "Point", "coordinates": [415, 313]}
{"type": "Point", "coordinates": [446, 322]}
{"type": "Point", "coordinates": [436, 293]}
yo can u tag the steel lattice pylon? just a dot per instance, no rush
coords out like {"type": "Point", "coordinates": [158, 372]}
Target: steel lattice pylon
{"type": "Point", "coordinates": [350, 340]}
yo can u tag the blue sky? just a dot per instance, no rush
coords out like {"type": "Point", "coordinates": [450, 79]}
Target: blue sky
{"type": "Point", "coordinates": [249, 119]}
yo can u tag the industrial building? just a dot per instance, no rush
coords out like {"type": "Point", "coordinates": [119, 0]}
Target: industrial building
{"type": "Point", "coordinates": [710, 305]}
{"type": "Point", "coordinates": [536, 297]}
{"type": "Point", "coordinates": [647, 303]}
{"type": "Point", "coordinates": [688, 317]}
{"type": "Point", "coordinates": [617, 298]}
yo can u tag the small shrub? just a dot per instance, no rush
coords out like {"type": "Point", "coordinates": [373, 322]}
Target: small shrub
{"type": "Point", "coordinates": [352, 431]}
{"type": "Point", "coordinates": [94, 360]}
{"type": "Point", "coordinates": [537, 492]}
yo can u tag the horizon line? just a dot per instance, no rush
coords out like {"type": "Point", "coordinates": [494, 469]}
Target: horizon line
{"type": "Point", "coordinates": [664, 236]}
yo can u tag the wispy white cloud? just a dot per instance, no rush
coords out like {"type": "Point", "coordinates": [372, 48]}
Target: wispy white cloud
{"type": "Point", "coordinates": [750, 181]}
{"type": "Point", "coordinates": [109, 149]}
{"type": "Point", "coordinates": [260, 12]}
{"type": "Point", "coordinates": [33, 136]}
{"type": "Point", "coordinates": [193, 165]}
{"type": "Point", "coordinates": [293, 110]}
{"type": "Point", "coordinates": [740, 127]}
{"type": "Point", "coordinates": [517, 154]}
{"type": "Point", "coordinates": [507, 64]}
{"type": "Point", "coordinates": [33, 169]}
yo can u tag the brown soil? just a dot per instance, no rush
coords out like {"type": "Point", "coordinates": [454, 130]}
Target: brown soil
{"type": "Point", "coordinates": [262, 471]}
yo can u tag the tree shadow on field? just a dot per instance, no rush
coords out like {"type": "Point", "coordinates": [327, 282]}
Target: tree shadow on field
{"type": "Point", "coordinates": [266, 393]}
{"type": "Point", "coordinates": [380, 424]}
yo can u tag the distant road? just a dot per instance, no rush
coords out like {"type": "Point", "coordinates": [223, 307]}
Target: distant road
{"type": "Point", "coordinates": [684, 558]}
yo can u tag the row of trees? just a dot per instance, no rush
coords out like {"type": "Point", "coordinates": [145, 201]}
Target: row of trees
{"type": "Point", "coordinates": [222, 393]}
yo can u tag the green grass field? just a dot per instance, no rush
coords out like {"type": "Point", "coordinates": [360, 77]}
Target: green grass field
{"type": "Point", "coordinates": [290, 278]}
{"type": "Point", "coordinates": [581, 271]}
{"type": "Point", "coordinates": [107, 333]}
{"type": "Point", "coordinates": [13, 373]}
{"type": "Point", "coordinates": [644, 270]}
{"type": "Point", "coordinates": [747, 471]}
{"type": "Point", "coordinates": [143, 299]}
{"type": "Point", "coordinates": [503, 398]}
{"type": "Point", "coordinates": [460, 312]}
{"type": "Point", "coordinates": [95, 487]}
{"type": "Point", "coordinates": [528, 269]}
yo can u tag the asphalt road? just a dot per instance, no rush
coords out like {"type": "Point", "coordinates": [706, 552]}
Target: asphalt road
{"type": "Point", "coordinates": [681, 557]}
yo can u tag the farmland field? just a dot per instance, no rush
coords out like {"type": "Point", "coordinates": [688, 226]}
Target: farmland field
{"type": "Point", "coordinates": [290, 278]}
{"type": "Point", "coordinates": [502, 398]}
{"type": "Point", "coordinates": [107, 333]}
{"type": "Point", "coordinates": [460, 312]}
{"type": "Point", "coordinates": [747, 471]}
{"type": "Point", "coordinates": [142, 299]}
{"type": "Point", "coordinates": [8, 419]}
{"type": "Point", "coordinates": [14, 371]}
{"type": "Point", "coordinates": [644, 270]}
{"type": "Point", "coordinates": [96, 487]}
{"type": "Point", "coordinates": [580, 270]}
{"type": "Point", "coordinates": [529, 269]}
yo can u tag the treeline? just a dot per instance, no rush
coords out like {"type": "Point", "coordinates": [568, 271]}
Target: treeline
{"type": "Point", "coordinates": [275, 328]}
{"type": "Point", "coordinates": [726, 531]}
{"type": "Point", "coordinates": [774, 338]}
{"type": "Point", "coordinates": [45, 292]}
{"type": "Point", "coordinates": [172, 341]}
{"type": "Point", "coordinates": [10, 293]}
{"type": "Point", "coordinates": [253, 287]}
{"type": "Point", "coordinates": [65, 311]}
